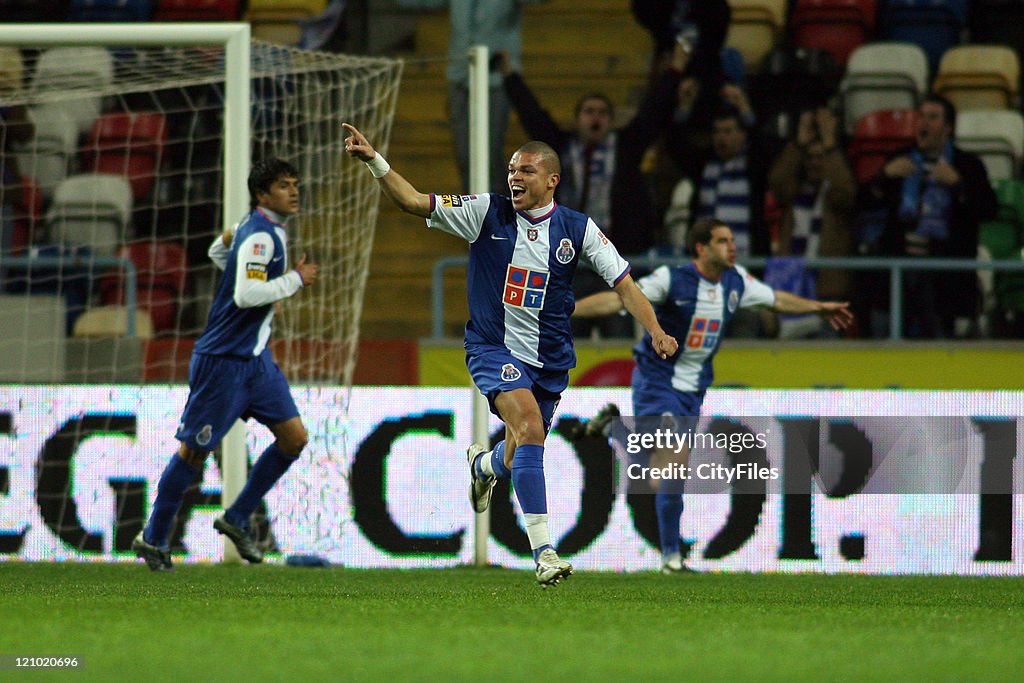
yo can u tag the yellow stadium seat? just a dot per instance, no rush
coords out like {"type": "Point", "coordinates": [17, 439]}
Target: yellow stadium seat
{"type": "Point", "coordinates": [755, 28]}
{"type": "Point", "coordinates": [112, 321]}
{"type": "Point", "coordinates": [979, 77]}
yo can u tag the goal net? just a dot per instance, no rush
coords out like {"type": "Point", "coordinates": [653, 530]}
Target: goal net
{"type": "Point", "coordinates": [115, 183]}
{"type": "Point", "coordinates": [124, 160]}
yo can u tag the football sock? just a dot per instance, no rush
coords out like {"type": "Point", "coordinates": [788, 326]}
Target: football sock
{"type": "Point", "coordinates": [170, 491]}
{"type": "Point", "coordinates": [669, 505]}
{"type": "Point", "coordinates": [268, 469]}
{"type": "Point", "coordinates": [492, 463]}
{"type": "Point", "coordinates": [528, 481]}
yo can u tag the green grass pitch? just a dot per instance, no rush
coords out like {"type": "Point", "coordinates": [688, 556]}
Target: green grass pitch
{"type": "Point", "coordinates": [281, 623]}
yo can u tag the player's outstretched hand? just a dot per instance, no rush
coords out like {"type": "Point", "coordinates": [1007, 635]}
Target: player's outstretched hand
{"type": "Point", "coordinates": [357, 145]}
{"type": "Point", "coordinates": [664, 345]}
{"type": "Point", "coordinates": [838, 314]}
{"type": "Point", "coordinates": [307, 271]}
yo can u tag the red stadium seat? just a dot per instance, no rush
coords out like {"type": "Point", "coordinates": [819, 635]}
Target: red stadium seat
{"type": "Point", "coordinates": [28, 213]}
{"type": "Point", "coordinates": [130, 145]}
{"type": "Point", "coordinates": [878, 135]}
{"type": "Point", "coordinates": [837, 26]}
{"type": "Point", "coordinates": [161, 274]}
{"type": "Point", "coordinates": [196, 10]}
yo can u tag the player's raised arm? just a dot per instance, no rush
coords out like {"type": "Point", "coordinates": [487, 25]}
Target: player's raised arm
{"type": "Point", "coordinates": [398, 189]}
{"type": "Point", "coordinates": [634, 301]}
{"type": "Point", "coordinates": [837, 314]}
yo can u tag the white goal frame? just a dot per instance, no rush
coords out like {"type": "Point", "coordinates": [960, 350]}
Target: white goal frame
{"type": "Point", "coordinates": [235, 38]}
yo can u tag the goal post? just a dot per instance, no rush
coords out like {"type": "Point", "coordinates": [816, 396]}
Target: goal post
{"type": "Point", "coordinates": [221, 98]}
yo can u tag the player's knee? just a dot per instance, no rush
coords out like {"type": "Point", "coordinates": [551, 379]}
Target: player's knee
{"type": "Point", "coordinates": [192, 457]}
{"type": "Point", "coordinates": [293, 442]}
{"type": "Point", "coordinates": [529, 431]}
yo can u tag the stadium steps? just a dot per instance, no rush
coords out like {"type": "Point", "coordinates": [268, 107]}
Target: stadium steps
{"type": "Point", "coordinates": [567, 51]}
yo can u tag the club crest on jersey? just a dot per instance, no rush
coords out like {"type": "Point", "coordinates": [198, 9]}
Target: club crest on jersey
{"type": "Point", "coordinates": [703, 333]}
{"type": "Point", "coordinates": [734, 300]}
{"type": "Point", "coordinates": [525, 288]}
{"type": "Point", "coordinates": [565, 253]}
{"type": "Point", "coordinates": [510, 373]}
{"type": "Point", "coordinates": [451, 200]}
{"type": "Point", "coordinates": [532, 234]}
{"type": "Point", "coordinates": [204, 435]}
{"type": "Point", "coordinates": [259, 250]}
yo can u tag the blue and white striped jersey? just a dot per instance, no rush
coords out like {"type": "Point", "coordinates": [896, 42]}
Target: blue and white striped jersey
{"type": "Point", "coordinates": [255, 276]}
{"type": "Point", "coordinates": [521, 266]}
{"type": "Point", "coordinates": [694, 310]}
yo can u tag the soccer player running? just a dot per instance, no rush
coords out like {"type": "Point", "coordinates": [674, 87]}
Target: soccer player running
{"type": "Point", "coordinates": [694, 302]}
{"type": "Point", "coordinates": [523, 252]}
{"type": "Point", "coordinates": [232, 373]}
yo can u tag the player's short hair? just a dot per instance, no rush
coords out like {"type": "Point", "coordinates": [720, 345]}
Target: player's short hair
{"type": "Point", "coordinates": [700, 233]}
{"type": "Point", "coordinates": [548, 155]}
{"type": "Point", "coordinates": [948, 110]}
{"type": "Point", "coordinates": [264, 173]}
{"type": "Point", "coordinates": [593, 96]}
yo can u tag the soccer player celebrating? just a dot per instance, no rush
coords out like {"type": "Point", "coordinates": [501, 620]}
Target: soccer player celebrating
{"type": "Point", "coordinates": [232, 374]}
{"type": "Point", "coordinates": [523, 252]}
{"type": "Point", "coordinates": [694, 302]}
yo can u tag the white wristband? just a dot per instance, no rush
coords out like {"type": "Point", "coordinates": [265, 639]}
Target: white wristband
{"type": "Point", "coordinates": [378, 166]}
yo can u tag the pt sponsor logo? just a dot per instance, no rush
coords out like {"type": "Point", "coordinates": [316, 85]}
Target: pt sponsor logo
{"type": "Point", "coordinates": [703, 333]}
{"type": "Point", "coordinates": [525, 288]}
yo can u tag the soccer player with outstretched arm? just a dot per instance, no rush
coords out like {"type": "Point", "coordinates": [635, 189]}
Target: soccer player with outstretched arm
{"type": "Point", "coordinates": [523, 251]}
{"type": "Point", "coordinates": [232, 374]}
{"type": "Point", "coordinates": [694, 302]}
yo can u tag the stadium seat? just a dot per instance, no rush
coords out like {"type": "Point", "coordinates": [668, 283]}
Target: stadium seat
{"type": "Point", "coordinates": [112, 321]}
{"type": "Point", "coordinates": [33, 11]}
{"type": "Point", "coordinates": [46, 156]}
{"type": "Point", "coordinates": [109, 10]}
{"type": "Point", "coordinates": [878, 135]}
{"type": "Point", "coordinates": [161, 269]}
{"type": "Point", "coordinates": [91, 209]}
{"type": "Point", "coordinates": [61, 69]}
{"type": "Point", "coordinates": [755, 28]}
{"type": "Point", "coordinates": [997, 136]}
{"type": "Point", "coordinates": [196, 10]}
{"type": "Point", "coordinates": [935, 25]}
{"type": "Point", "coordinates": [979, 77]}
{"type": "Point", "coordinates": [837, 26]}
{"type": "Point", "coordinates": [277, 21]}
{"type": "Point", "coordinates": [12, 71]}
{"type": "Point", "coordinates": [128, 144]}
{"type": "Point", "coordinates": [28, 213]}
{"type": "Point", "coordinates": [882, 76]}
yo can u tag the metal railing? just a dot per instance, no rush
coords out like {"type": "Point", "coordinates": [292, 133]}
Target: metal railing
{"type": "Point", "coordinates": [895, 266]}
{"type": "Point", "coordinates": [86, 263]}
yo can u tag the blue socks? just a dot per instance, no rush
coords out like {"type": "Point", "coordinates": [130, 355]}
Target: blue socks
{"type": "Point", "coordinates": [268, 469]}
{"type": "Point", "coordinates": [495, 465]}
{"type": "Point", "coordinates": [528, 481]}
{"type": "Point", "coordinates": [669, 505]}
{"type": "Point", "coordinates": [177, 477]}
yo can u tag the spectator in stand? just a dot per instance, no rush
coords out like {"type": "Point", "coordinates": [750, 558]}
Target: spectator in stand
{"type": "Point", "coordinates": [703, 25]}
{"type": "Point", "coordinates": [498, 25]}
{"type": "Point", "coordinates": [15, 128]}
{"type": "Point", "coordinates": [934, 195]}
{"type": "Point", "coordinates": [602, 168]}
{"type": "Point", "coordinates": [731, 188]}
{"type": "Point", "coordinates": [817, 194]}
